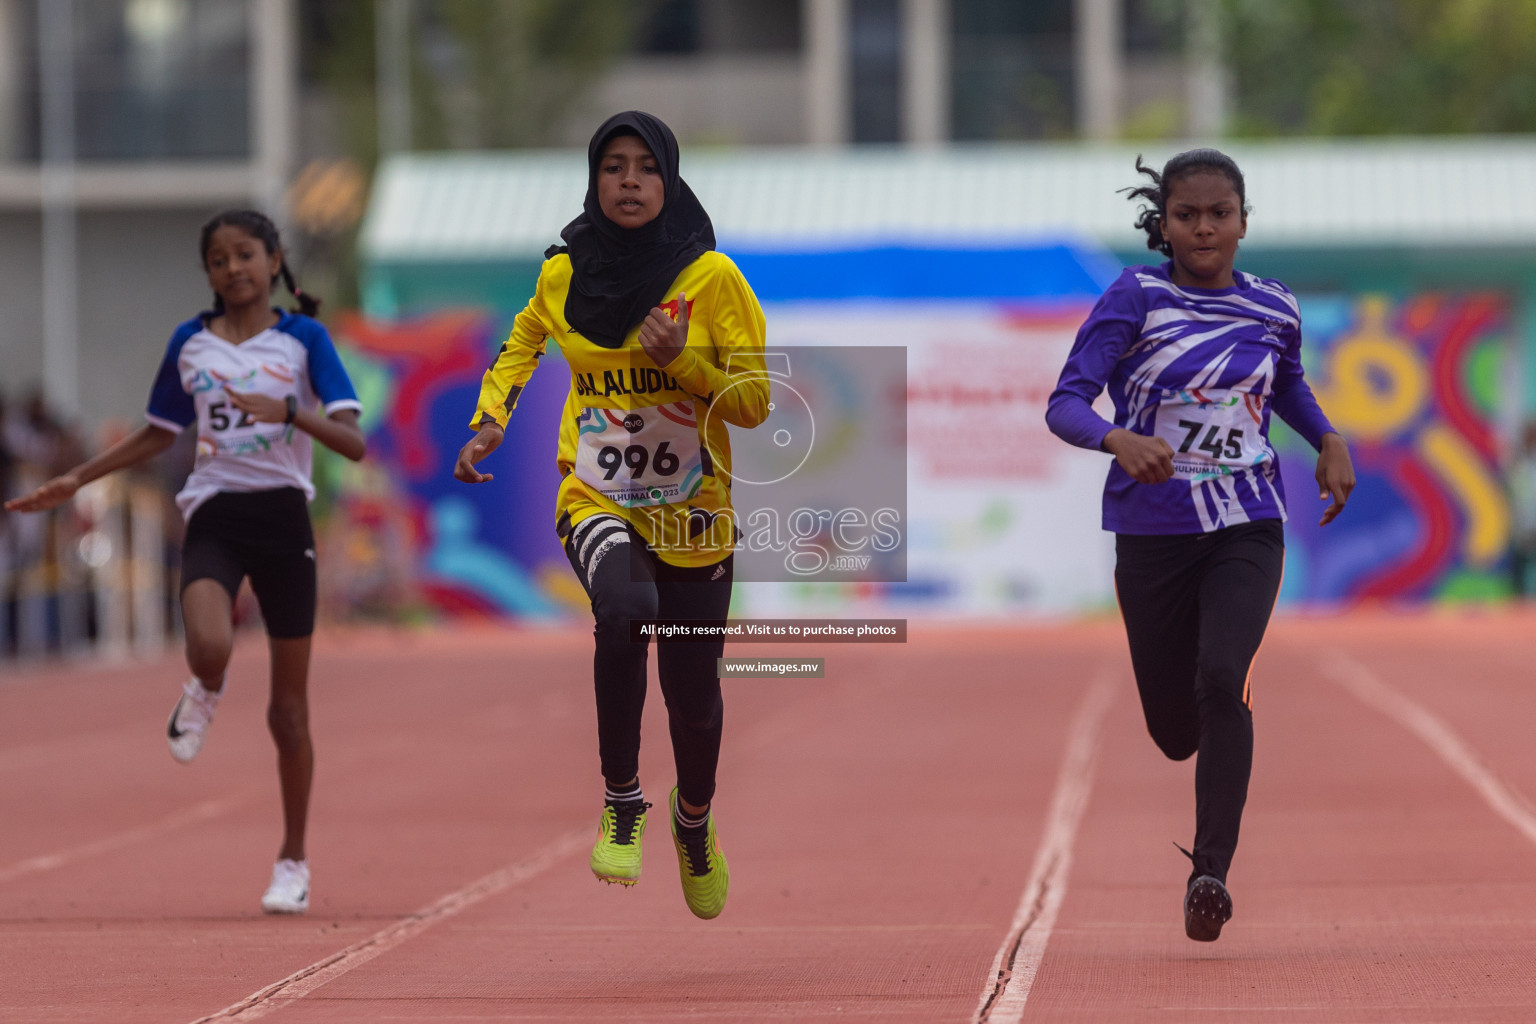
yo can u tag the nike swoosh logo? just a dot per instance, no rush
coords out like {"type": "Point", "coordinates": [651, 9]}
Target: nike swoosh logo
{"type": "Point", "coordinates": [170, 727]}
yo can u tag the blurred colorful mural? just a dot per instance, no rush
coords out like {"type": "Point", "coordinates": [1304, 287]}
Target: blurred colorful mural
{"type": "Point", "coordinates": [402, 533]}
{"type": "Point", "coordinates": [1415, 385]}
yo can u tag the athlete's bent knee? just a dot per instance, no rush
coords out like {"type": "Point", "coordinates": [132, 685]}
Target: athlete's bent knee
{"type": "Point", "coordinates": [613, 614]}
{"type": "Point", "coordinates": [1222, 696]}
{"type": "Point", "coordinates": [1176, 745]}
{"type": "Point", "coordinates": [697, 718]}
{"type": "Point", "coordinates": [289, 725]}
{"type": "Point", "coordinates": [207, 659]}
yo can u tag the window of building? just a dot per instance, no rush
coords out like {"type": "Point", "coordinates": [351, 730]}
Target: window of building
{"type": "Point", "coordinates": [671, 26]}
{"type": "Point", "coordinates": [1154, 27]}
{"type": "Point", "coordinates": [1012, 69]}
{"type": "Point", "coordinates": [154, 79]}
{"type": "Point", "coordinates": [875, 42]}
{"type": "Point", "coordinates": [719, 26]}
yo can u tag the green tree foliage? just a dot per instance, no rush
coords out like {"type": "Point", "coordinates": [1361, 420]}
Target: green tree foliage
{"type": "Point", "coordinates": [484, 73]}
{"type": "Point", "coordinates": [1366, 67]}
{"type": "Point", "coordinates": [337, 55]}
{"type": "Point", "coordinates": [501, 74]}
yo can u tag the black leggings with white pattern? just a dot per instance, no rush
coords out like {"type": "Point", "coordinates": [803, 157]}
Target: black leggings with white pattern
{"type": "Point", "coordinates": [626, 581]}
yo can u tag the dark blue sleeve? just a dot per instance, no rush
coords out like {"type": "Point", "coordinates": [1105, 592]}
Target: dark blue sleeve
{"type": "Point", "coordinates": [1293, 399]}
{"type": "Point", "coordinates": [1110, 330]}
{"type": "Point", "coordinates": [326, 374]}
{"type": "Point", "coordinates": [170, 406]}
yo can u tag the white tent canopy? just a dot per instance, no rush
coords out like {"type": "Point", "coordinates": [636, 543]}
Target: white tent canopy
{"type": "Point", "coordinates": [1391, 192]}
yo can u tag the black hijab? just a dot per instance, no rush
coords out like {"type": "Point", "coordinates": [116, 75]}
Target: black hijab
{"type": "Point", "coordinates": [619, 274]}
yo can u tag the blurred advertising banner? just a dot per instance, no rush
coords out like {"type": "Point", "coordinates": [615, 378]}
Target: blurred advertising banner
{"type": "Point", "coordinates": [1001, 517]}
{"type": "Point", "coordinates": [1417, 386]}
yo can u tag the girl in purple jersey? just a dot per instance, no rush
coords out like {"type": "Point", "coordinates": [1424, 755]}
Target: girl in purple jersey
{"type": "Point", "coordinates": [1195, 355]}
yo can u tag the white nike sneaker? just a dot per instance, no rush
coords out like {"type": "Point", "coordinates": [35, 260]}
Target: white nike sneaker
{"type": "Point", "coordinates": [190, 719]}
{"type": "Point", "coordinates": [289, 891]}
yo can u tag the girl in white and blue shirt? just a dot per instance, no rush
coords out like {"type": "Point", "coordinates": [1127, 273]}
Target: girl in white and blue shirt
{"type": "Point", "coordinates": [258, 384]}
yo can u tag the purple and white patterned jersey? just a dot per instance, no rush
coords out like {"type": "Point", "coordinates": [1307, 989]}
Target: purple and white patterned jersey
{"type": "Point", "coordinates": [1201, 368]}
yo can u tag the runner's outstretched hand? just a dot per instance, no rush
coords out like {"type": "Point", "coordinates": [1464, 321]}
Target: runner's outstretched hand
{"type": "Point", "coordinates": [146, 442]}
{"type": "Point", "coordinates": [1335, 476]}
{"type": "Point", "coordinates": [479, 446]}
{"type": "Point", "coordinates": [1147, 460]}
{"type": "Point", "coordinates": [662, 337]}
{"type": "Point", "coordinates": [49, 495]}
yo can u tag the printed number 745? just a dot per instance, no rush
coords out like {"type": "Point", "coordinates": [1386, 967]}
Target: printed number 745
{"type": "Point", "coordinates": [1213, 444]}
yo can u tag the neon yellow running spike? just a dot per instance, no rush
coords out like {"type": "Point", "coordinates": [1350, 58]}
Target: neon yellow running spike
{"type": "Point", "coordinates": [706, 877]}
{"type": "Point", "coordinates": [616, 855]}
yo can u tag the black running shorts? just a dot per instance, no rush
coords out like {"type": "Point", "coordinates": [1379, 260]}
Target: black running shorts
{"type": "Point", "coordinates": [264, 535]}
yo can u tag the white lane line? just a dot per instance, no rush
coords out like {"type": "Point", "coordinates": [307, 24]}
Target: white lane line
{"type": "Point", "coordinates": [205, 811]}
{"type": "Point", "coordinates": [1017, 960]}
{"type": "Point", "coordinates": [302, 982]}
{"type": "Point", "coordinates": [1370, 690]}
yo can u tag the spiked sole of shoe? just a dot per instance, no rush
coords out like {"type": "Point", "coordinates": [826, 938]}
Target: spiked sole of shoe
{"type": "Point", "coordinates": [1207, 907]}
{"type": "Point", "coordinates": [615, 880]}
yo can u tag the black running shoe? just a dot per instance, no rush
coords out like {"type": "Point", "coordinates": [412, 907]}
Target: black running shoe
{"type": "Point", "coordinates": [1207, 906]}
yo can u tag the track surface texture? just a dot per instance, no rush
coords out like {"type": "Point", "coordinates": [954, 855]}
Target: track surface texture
{"type": "Point", "coordinates": [973, 825]}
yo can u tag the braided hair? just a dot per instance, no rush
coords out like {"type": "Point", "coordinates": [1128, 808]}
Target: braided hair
{"type": "Point", "coordinates": [259, 226]}
{"type": "Point", "coordinates": [1196, 161]}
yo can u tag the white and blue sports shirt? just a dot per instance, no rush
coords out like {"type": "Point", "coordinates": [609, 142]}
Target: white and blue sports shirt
{"type": "Point", "coordinates": [234, 453]}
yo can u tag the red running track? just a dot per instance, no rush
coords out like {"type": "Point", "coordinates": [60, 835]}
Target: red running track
{"type": "Point", "coordinates": [882, 826]}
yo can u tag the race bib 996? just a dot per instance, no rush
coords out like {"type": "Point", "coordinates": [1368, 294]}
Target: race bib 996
{"type": "Point", "coordinates": [1212, 431]}
{"type": "Point", "coordinates": [640, 457]}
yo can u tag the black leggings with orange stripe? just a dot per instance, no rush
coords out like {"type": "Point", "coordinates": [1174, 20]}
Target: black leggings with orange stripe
{"type": "Point", "coordinates": [1195, 608]}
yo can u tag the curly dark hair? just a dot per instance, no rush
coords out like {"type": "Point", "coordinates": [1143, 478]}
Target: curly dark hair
{"type": "Point", "coordinates": [1195, 161]}
{"type": "Point", "coordinates": [259, 226]}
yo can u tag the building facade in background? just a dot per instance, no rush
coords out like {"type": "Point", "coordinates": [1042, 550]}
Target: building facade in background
{"type": "Point", "coordinates": [832, 72]}
{"type": "Point", "coordinates": [123, 125]}
{"type": "Point", "coordinates": [787, 72]}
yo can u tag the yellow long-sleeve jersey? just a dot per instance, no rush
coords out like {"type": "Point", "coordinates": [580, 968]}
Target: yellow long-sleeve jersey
{"type": "Point", "coordinates": [643, 442]}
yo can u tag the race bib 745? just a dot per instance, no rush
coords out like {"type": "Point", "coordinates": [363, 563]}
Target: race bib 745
{"type": "Point", "coordinates": [1212, 431]}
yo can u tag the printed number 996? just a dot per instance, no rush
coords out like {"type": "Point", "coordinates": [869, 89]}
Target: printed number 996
{"type": "Point", "coordinates": [611, 459]}
{"type": "Point", "coordinates": [1213, 444]}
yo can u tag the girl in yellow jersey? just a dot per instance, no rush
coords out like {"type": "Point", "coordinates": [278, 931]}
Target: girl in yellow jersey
{"type": "Point", "coordinates": [665, 344]}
